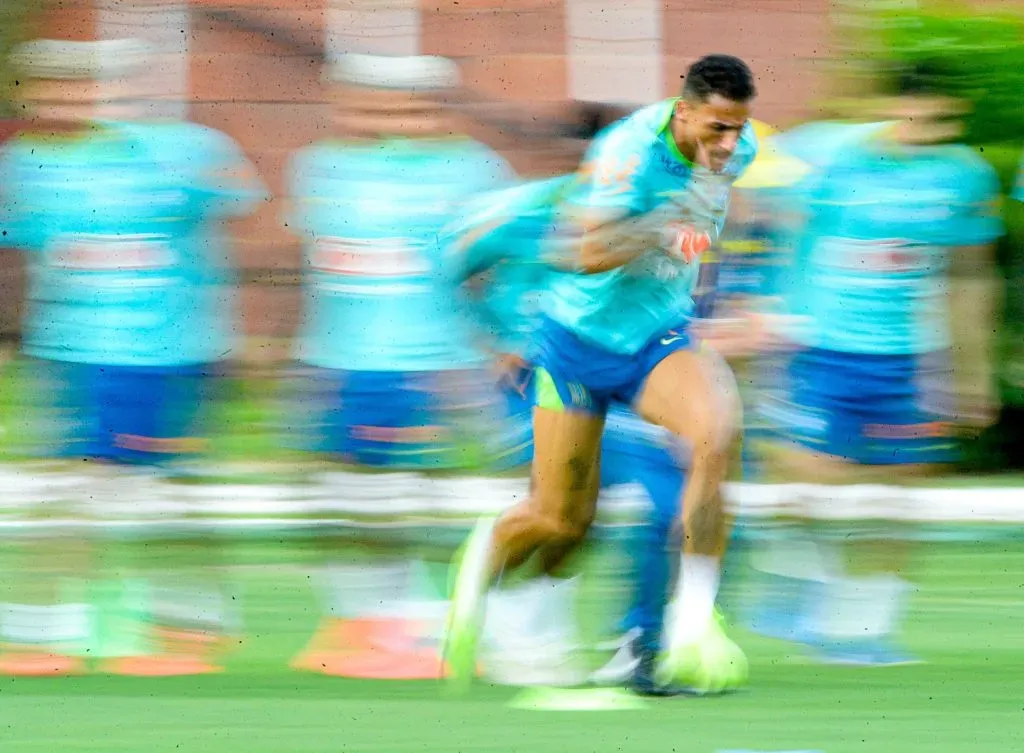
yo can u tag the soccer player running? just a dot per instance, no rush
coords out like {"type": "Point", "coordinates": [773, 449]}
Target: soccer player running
{"type": "Point", "coordinates": [896, 215]}
{"type": "Point", "coordinates": [651, 196]}
{"type": "Point", "coordinates": [390, 368]}
{"type": "Point", "coordinates": [496, 250]}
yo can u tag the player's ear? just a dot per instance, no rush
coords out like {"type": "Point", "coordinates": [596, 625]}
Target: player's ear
{"type": "Point", "coordinates": [683, 110]}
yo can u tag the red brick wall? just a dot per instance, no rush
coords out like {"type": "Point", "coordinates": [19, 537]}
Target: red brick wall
{"type": "Point", "coordinates": [261, 87]}
{"type": "Point", "coordinates": [255, 67]}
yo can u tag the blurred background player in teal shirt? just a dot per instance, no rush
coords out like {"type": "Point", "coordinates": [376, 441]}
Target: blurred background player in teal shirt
{"type": "Point", "coordinates": [122, 333]}
{"type": "Point", "coordinates": [395, 381]}
{"type": "Point", "coordinates": [889, 213]}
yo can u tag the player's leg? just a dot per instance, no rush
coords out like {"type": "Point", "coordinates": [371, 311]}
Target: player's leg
{"type": "Point", "coordinates": [846, 570]}
{"type": "Point", "coordinates": [531, 635]}
{"type": "Point", "coordinates": [45, 615]}
{"type": "Point", "coordinates": [369, 434]}
{"type": "Point", "coordinates": [694, 396]}
{"type": "Point", "coordinates": [631, 456]}
{"type": "Point", "coordinates": [853, 461]}
{"type": "Point", "coordinates": [173, 614]}
{"type": "Point", "coordinates": [555, 518]}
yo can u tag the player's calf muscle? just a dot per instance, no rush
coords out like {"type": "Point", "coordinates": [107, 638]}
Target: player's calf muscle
{"type": "Point", "coordinates": [704, 519]}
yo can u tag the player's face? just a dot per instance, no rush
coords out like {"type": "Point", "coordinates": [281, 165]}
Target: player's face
{"type": "Point", "coordinates": [378, 112]}
{"type": "Point", "coordinates": [708, 132]}
{"type": "Point", "coordinates": [56, 103]}
{"type": "Point", "coordinates": [925, 121]}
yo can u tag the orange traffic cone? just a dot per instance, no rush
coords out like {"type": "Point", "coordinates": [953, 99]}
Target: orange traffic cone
{"type": "Point", "coordinates": [371, 648]}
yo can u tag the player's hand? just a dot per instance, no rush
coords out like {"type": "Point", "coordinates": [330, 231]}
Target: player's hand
{"type": "Point", "coordinates": [747, 334]}
{"type": "Point", "coordinates": [976, 413]}
{"type": "Point", "coordinates": [512, 371]}
{"type": "Point", "coordinates": [684, 242]}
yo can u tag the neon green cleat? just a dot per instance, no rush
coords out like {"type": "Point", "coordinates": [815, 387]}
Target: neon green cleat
{"type": "Point", "coordinates": [706, 665]}
{"type": "Point", "coordinates": [465, 618]}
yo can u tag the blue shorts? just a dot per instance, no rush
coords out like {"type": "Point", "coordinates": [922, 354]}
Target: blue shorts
{"type": "Point", "coordinates": [631, 451]}
{"type": "Point", "coordinates": [397, 420]}
{"type": "Point", "coordinates": [120, 414]}
{"type": "Point", "coordinates": [867, 409]}
{"type": "Point", "coordinates": [575, 375]}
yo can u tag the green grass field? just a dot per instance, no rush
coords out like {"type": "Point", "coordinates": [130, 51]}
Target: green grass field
{"type": "Point", "coordinates": [966, 621]}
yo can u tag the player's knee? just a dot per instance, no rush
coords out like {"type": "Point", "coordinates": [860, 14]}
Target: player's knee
{"type": "Point", "coordinates": [558, 530]}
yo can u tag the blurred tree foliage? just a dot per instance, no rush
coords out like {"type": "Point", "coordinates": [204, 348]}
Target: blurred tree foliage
{"type": "Point", "coordinates": [981, 54]}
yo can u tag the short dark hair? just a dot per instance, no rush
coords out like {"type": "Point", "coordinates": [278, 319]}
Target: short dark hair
{"type": "Point", "coordinates": [724, 75]}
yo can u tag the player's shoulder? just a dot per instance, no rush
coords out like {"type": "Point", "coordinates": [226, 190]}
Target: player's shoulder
{"type": "Point", "coordinates": [176, 134]}
{"type": "Point", "coordinates": [519, 200]}
{"type": "Point", "coordinates": [636, 135]}
{"type": "Point", "coordinates": [966, 160]}
{"type": "Point", "coordinates": [473, 161]}
{"type": "Point", "coordinates": [466, 149]}
{"type": "Point", "coordinates": [323, 158]}
{"type": "Point", "coordinates": [822, 144]}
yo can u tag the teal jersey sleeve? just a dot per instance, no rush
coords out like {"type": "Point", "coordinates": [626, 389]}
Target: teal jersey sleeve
{"type": "Point", "coordinates": [500, 240]}
{"type": "Point", "coordinates": [977, 219]}
{"type": "Point", "coordinates": [611, 180]}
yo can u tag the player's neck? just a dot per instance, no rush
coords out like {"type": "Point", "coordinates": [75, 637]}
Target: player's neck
{"type": "Point", "coordinates": [684, 147]}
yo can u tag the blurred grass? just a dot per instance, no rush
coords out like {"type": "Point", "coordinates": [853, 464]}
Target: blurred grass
{"type": "Point", "coordinates": [965, 620]}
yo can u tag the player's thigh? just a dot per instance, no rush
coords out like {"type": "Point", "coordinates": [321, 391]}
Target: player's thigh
{"type": "Point", "coordinates": [791, 463]}
{"type": "Point", "coordinates": [566, 466]}
{"type": "Point", "coordinates": [693, 394]}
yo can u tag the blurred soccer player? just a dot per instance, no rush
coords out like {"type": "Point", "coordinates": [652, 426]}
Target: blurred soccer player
{"type": "Point", "coordinates": [896, 213]}
{"type": "Point", "coordinates": [651, 196]}
{"type": "Point", "coordinates": [497, 250]}
{"type": "Point", "coordinates": [165, 591]}
{"type": "Point", "coordinates": [391, 367]}
{"type": "Point", "coordinates": [119, 336]}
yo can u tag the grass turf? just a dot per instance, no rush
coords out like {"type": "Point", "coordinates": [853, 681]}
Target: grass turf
{"type": "Point", "coordinates": [970, 696]}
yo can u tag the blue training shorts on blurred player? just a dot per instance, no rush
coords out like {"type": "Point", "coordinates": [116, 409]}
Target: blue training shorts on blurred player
{"type": "Point", "coordinates": [869, 409]}
{"type": "Point", "coordinates": [397, 420]}
{"type": "Point", "coordinates": [120, 414]}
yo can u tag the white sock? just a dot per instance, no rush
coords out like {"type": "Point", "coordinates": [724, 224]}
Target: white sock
{"type": "Point", "coordinates": [865, 607]}
{"type": "Point", "coordinates": [789, 558]}
{"type": "Point", "coordinates": [354, 590]}
{"type": "Point", "coordinates": [197, 606]}
{"type": "Point", "coordinates": [694, 605]}
{"type": "Point", "coordinates": [46, 625]}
